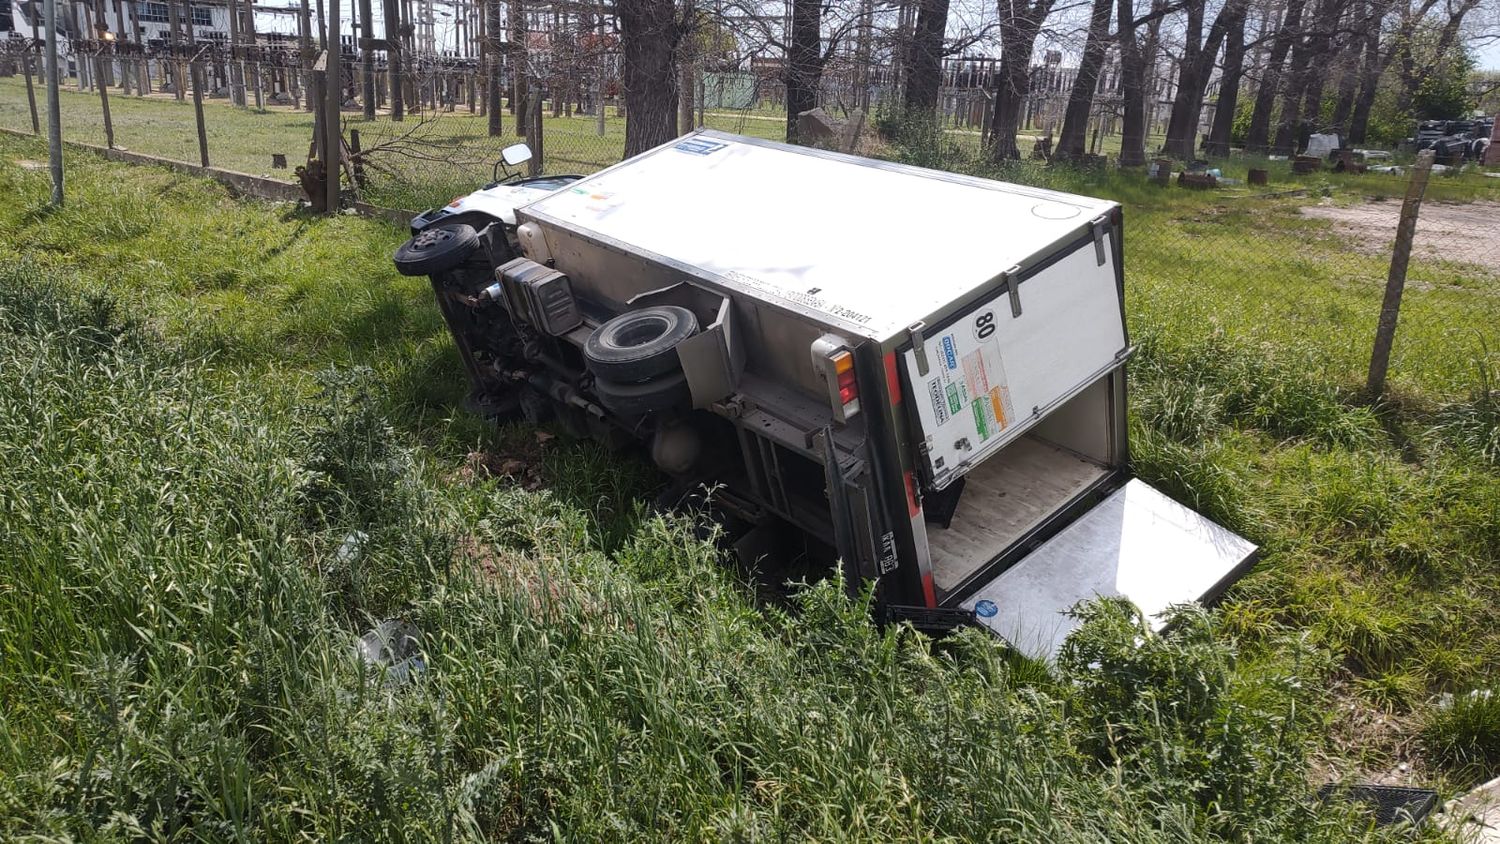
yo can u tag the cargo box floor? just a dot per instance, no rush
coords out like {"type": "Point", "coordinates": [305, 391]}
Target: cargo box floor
{"type": "Point", "coordinates": [1004, 497]}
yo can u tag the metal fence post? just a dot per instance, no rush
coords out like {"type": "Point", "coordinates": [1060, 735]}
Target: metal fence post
{"type": "Point", "coordinates": [1395, 283]}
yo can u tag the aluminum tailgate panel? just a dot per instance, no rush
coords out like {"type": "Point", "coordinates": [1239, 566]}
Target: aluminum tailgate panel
{"type": "Point", "coordinates": [1137, 543]}
{"type": "Point", "coordinates": [991, 373]}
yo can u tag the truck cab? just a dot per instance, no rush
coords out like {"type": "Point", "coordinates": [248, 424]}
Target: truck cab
{"type": "Point", "coordinates": [921, 372]}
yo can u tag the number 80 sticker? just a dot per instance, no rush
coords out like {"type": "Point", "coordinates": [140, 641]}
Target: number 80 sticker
{"type": "Point", "coordinates": [984, 326]}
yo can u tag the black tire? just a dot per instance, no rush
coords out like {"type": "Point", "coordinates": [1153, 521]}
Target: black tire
{"type": "Point", "coordinates": [436, 249]}
{"type": "Point", "coordinates": [638, 345]}
{"type": "Point", "coordinates": [635, 398]}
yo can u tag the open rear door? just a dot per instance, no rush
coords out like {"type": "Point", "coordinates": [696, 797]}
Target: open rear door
{"type": "Point", "coordinates": [983, 377]}
{"type": "Point", "coordinates": [1136, 543]}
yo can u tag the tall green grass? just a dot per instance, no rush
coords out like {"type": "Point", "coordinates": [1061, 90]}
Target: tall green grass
{"type": "Point", "coordinates": [205, 399]}
{"type": "Point", "coordinates": [177, 661]}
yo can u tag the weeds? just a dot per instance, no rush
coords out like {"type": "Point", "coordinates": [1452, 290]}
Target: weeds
{"type": "Point", "coordinates": [1464, 731]}
{"type": "Point", "coordinates": [177, 492]}
{"type": "Point", "coordinates": [1474, 426]}
{"type": "Point", "coordinates": [178, 659]}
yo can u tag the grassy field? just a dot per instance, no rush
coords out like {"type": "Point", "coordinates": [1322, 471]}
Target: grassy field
{"type": "Point", "coordinates": [244, 139]}
{"type": "Point", "coordinates": [1295, 279]}
{"type": "Point", "coordinates": [1250, 265]}
{"type": "Point", "coordinates": [202, 399]}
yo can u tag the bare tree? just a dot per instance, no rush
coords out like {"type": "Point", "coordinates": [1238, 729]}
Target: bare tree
{"type": "Point", "coordinates": [1229, 86]}
{"type": "Point", "coordinates": [804, 70]}
{"type": "Point", "coordinates": [1309, 42]}
{"type": "Point", "coordinates": [1194, 69]}
{"type": "Point", "coordinates": [923, 58]}
{"type": "Point", "coordinates": [1135, 58]}
{"type": "Point", "coordinates": [1258, 137]}
{"type": "Point", "coordinates": [1071, 141]}
{"type": "Point", "coordinates": [1020, 23]}
{"type": "Point", "coordinates": [1351, 49]}
{"type": "Point", "coordinates": [651, 34]}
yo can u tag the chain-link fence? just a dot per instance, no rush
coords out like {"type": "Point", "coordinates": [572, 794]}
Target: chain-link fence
{"type": "Point", "coordinates": [259, 110]}
{"type": "Point", "coordinates": [1260, 254]}
{"type": "Point", "coordinates": [1304, 272]}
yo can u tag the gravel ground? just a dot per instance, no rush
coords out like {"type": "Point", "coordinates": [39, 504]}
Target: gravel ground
{"type": "Point", "coordinates": [1467, 232]}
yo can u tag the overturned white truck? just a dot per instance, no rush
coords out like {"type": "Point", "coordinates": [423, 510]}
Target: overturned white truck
{"type": "Point", "coordinates": [920, 374]}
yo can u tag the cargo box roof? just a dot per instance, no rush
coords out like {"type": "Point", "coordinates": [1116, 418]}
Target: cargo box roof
{"type": "Point", "coordinates": [868, 246]}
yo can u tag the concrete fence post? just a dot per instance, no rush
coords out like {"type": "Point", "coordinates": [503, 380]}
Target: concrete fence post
{"type": "Point", "coordinates": [195, 70]}
{"type": "Point", "coordinates": [333, 85]}
{"type": "Point", "coordinates": [1395, 282]}
{"type": "Point", "coordinates": [54, 108]}
{"type": "Point", "coordinates": [36, 123]}
{"type": "Point", "coordinates": [109, 126]}
{"type": "Point", "coordinates": [535, 140]}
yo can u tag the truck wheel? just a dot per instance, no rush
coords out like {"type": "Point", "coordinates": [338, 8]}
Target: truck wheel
{"type": "Point", "coordinates": [635, 398]}
{"type": "Point", "coordinates": [638, 345]}
{"type": "Point", "coordinates": [436, 249]}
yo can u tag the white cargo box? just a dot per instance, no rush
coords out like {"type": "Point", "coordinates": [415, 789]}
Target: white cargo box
{"type": "Point", "coordinates": [988, 470]}
{"type": "Point", "coordinates": [868, 247]}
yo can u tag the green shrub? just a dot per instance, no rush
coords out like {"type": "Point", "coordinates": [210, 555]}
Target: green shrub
{"type": "Point", "coordinates": [1177, 716]}
{"type": "Point", "coordinates": [1473, 427]}
{"type": "Point", "coordinates": [1464, 732]}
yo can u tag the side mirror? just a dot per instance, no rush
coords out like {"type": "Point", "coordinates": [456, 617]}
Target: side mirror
{"type": "Point", "coordinates": [515, 154]}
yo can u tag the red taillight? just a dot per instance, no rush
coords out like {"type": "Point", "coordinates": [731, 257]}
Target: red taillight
{"type": "Point", "coordinates": [848, 390]}
{"type": "Point", "coordinates": [834, 361]}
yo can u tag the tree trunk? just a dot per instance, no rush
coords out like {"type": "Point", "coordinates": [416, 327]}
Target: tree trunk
{"type": "Point", "coordinates": [650, 36]}
{"type": "Point", "coordinates": [518, 60]}
{"type": "Point", "coordinates": [1349, 72]}
{"type": "Point", "coordinates": [393, 52]}
{"type": "Point", "coordinates": [1265, 95]}
{"type": "Point", "coordinates": [1189, 89]}
{"type": "Point", "coordinates": [494, 116]}
{"type": "Point", "coordinates": [1133, 89]}
{"type": "Point", "coordinates": [1010, 99]}
{"type": "Point", "coordinates": [1020, 21]}
{"type": "Point", "coordinates": [685, 91]}
{"type": "Point", "coordinates": [805, 71]}
{"type": "Point", "coordinates": [1187, 106]}
{"type": "Point", "coordinates": [1229, 87]}
{"type": "Point", "coordinates": [1071, 141]}
{"type": "Point", "coordinates": [924, 60]}
{"type": "Point", "coordinates": [1297, 118]}
{"type": "Point", "coordinates": [1370, 68]}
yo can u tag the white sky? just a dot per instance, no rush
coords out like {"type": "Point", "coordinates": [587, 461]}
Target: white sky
{"type": "Point", "coordinates": [1489, 56]}
{"type": "Point", "coordinates": [965, 14]}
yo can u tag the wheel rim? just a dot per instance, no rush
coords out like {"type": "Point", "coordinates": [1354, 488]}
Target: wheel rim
{"type": "Point", "coordinates": [431, 238]}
